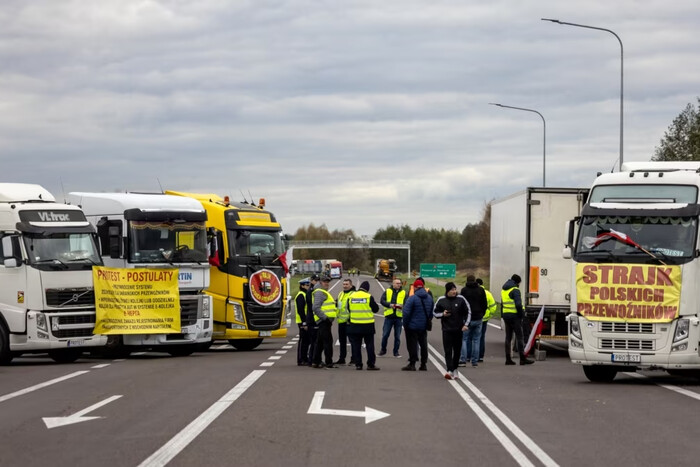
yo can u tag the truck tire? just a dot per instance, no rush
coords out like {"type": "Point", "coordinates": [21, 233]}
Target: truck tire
{"type": "Point", "coordinates": [65, 356]}
{"type": "Point", "coordinates": [182, 350]}
{"type": "Point", "coordinates": [599, 373]}
{"type": "Point", "coordinates": [5, 354]}
{"type": "Point", "coordinates": [245, 344]}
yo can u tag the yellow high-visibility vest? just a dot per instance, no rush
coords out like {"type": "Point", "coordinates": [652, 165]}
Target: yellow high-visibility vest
{"type": "Point", "coordinates": [507, 303]}
{"type": "Point", "coordinates": [328, 306]}
{"type": "Point", "coordinates": [301, 292]}
{"type": "Point", "coordinates": [343, 313]}
{"type": "Point", "coordinates": [490, 305]}
{"type": "Point", "coordinates": [400, 297]}
{"type": "Point", "coordinates": [359, 308]}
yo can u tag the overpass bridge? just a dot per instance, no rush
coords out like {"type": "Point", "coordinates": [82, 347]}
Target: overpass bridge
{"type": "Point", "coordinates": [353, 243]}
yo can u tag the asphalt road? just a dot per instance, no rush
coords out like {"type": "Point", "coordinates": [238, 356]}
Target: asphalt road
{"type": "Point", "coordinates": [258, 408]}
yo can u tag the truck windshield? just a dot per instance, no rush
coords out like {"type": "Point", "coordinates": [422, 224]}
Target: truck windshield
{"type": "Point", "coordinates": [56, 251]}
{"type": "Point", "coordinates": [167, 242]}
{"type": "Point", "coordinates": [614, 236]}
{"type": "Point", "coordinates": [256, 242]}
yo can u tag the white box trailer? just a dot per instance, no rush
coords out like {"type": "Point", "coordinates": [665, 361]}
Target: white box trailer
{"type": "Point", "coordinates": [528, 234]}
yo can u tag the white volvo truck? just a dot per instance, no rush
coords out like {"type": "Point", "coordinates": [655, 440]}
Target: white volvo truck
{"type": "Point", "coordinates": [139, 230]}
{"type": "Point", "coordinates": [47, 251]}
{"type": "Point", "coordinates": [636, 301]}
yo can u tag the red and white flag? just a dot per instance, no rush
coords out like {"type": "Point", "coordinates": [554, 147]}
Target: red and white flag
{"type": "Point", "coordinates": [213, 252]}
{"type": "Point", "coordinates": [536, 331]}
{"type": "Point", "coordinates": [591, 242]}
{"type": "Point", "coordinates": [283, 261]}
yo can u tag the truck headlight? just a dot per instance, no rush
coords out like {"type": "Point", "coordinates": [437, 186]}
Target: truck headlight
{"type": "Point", "coordinates": [575, 327]}
{"type": "Point", "coordinates": [682, 330]}
{"type": "Point", "coordinates": [237, 311]}
{"type": "Point", "coordinates": [41, 321]}
{"type": "Point", "coordinates": [206, 306]}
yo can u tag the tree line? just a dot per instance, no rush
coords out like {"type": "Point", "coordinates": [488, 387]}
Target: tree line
{"type": "Point", "coordinates": [468, 248]}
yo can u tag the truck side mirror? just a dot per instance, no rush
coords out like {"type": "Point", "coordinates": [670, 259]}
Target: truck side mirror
{"type": "Point", "coordinates": [566, 253]}
{"type": "Point", "coordinates": [110, 233]}
{"type": "Point", "coordinates": [115, 241]}
{"type": "Point", "coordinates": [10, 251]}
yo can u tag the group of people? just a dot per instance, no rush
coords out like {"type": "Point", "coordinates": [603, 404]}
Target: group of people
{"type": "Point", "coordinates": [464, 317]}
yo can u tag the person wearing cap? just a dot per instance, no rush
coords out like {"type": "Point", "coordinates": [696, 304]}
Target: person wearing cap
{"type": "Point", "coordinates": [341, 303]}
{"type": "Point", "coordinates": [476, 297]}
{"type": "Point", "coordinates": [324, 310]}
{"type": "Point", "coordinates": [454, 313]}
{"type": "Point", "coordinates": [392, 299]}
{"type": "Point", "coordinates": [315, 280]}
{"type": "Point", "coordinates": [361, 308]}
{"type": "Point", "coordinates": [490, 310]}
{"type": "Point", "coordinates": [512, 312]}
{"type": "Point", "coordinates": [412, 289]}
{"type": "Point", "coordinates": [417, 318]}
{"type": "Point", "coordinates": [302, 311]}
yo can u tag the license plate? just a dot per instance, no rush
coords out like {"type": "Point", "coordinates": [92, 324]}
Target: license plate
{"type": "Point", "coordinates": [76, 343]}
{"type": "Point", "coordinates": [184, 331]}
{"type": "Point", "coordinates": [625, 358]}
{"type": "Point", "coordinates": [265, 333]}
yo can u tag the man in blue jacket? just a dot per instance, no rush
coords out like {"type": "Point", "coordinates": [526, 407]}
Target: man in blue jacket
{"type": "Point", "coordinates": [417, 316]}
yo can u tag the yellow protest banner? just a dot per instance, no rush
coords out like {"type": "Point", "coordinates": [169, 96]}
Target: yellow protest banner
{"type": "Point", "coordinates": [628, 292]}
{"type": "Point", "coordinates": [136, 301]}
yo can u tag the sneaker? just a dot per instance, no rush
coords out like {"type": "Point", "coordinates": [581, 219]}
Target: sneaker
{"type": "Point", "coordinates": [448, 375]}
{"type": "Point", "coordinates": [358, 367]}
{"type": "Point", "coordinates": [510, 362]}
{"type": "Point", "coordinates": [526, 361]}
{"type": "Point", "coordinates": [474, 365]}
{"type": "Point", "coordinates": [423, 368]}
{"type": "Point", "coordinates": [381, 353]}
{"type": "Point", "coordinates": [397, 355]}
{"type": "Point", "coordinates": [455, 374]}
{"type": "Point", "coordinates": [316, 365]}
{"type": "Point", "coordinates": [462, 364]}
{"type": "Point", "coordinates": [372, 368]}
{"type": "Point", "coordinates": [331, 366]}
{"type": "Point", "coordinates": [340, 362]}
{"type": "Point", "coordinates": [409, 367]}
{"type": "Point", "coordinates": [481, 360]}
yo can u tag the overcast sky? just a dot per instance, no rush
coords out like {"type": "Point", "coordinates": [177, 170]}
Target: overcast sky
{"type": "Point", "coordinates": [355, 113]}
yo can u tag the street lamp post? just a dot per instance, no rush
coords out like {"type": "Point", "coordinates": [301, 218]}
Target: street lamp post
{"type": "Point", "coordinates": [544, 136]}
{"type": "Point", "coordinates": [622, 74]}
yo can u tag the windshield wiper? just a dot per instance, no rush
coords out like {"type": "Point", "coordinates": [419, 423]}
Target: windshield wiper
{"type": "Point", "coordinates": [51, 262]}
{"type": "Point", "coordinates": [84, 259]}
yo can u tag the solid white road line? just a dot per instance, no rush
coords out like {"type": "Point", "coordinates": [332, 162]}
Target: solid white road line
{"type": "Point", "coordinates": [180, 441]}
{"type": "Point", "coordinates": [670, 387]}
{"type": "Point", "coordinates": [507, 422]}
{"type": "Point", "coordinates": [22, 392]}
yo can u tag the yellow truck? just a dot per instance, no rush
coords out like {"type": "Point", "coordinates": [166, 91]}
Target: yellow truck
{"type": "Point", "coordinates": [248, 283]}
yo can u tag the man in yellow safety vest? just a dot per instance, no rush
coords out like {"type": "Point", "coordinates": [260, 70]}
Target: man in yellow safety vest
{"type": "Point", "coordinates": [490, 310]}
{"type": "Point", "coordinates": [392, 300]}
{"type": "Point", "coordinates": [512, 312]}
{"type": "Point", "coordinates": [324, 309]}
{"type": "Point", "coordinates": [348, 289]}
{"type": "Point", "coordinates": [361, 306]}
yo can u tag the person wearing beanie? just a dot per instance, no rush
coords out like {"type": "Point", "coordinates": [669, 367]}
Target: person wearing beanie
{"type": "Point", "coordinates": [491, 306]}
{"type": "Point", "coordinates": [471, 342]}
{"type": "Point", "coordinates": [512, 313]}
{"type": "Point", "coordinates": [454, 313]}
{"type": "Point", "coordinates": [417, 319]}
{"type": "Point", "coordinates": [341, 303]}
{"type": "Point", "coordinates": [361, 308]}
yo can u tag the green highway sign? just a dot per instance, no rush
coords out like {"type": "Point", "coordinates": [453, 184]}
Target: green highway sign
{"type": "Point", "coordinates": [438, 270]}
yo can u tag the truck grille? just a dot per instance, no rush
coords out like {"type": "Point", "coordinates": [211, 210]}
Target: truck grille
{"type": "Point", "coordinates": [636, 328]}
{"type": "Point", "coordinates": [70, 297]}
{"type": "Point", "coordinates": [261, 318]}
{"type": "Point", "coordinates": [626, 344]}
{"type": "Point", "coordinates": [87, 320]}
{"type": "Point", "coordinates": [188, 311]}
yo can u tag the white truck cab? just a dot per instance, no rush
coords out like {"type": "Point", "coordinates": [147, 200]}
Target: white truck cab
{"type": "Point", "coordinates": [47, 251]}
{"type": "Point", "coordinates": [139, 230]}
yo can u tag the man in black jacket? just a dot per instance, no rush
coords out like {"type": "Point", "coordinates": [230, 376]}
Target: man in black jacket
{"type": "Point", "coordinates": [454, 313]}
{"type": "Point", "coordinates": [476, 297]}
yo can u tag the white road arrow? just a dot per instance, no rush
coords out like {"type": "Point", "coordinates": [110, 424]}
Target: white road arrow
{"type": "Point", "coordinates": [53, 422]}
{"type": "Point", "coordinates": [369, 414]}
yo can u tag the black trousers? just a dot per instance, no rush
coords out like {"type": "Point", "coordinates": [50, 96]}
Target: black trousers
{"type": "Point", "coordinates": [343, 340]}
{"type": "Point", "coordinates": [324, 343]}
{"type": "Point", "coordinates": [413, 340]}
{"type": "Point", "coordinates": [452, 344]}
{"type": "Point", "coordinates": [514, 324]}
{"type": "Point", "coordinates": [356, 346]}
{"type": "Point", "coordinates": [313, 335]}
{"type": "Point", "coordinates": [303, 347]}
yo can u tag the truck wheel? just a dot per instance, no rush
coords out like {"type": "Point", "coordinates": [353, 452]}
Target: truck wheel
{"type": "Point", "coordinates": [5, 354]}
{"type": "Point", "coordinates": [65, 356]}
{"type": "Point", "coordinates": [245, 344]}
{"type": "Point", "coordinates": [599, 373]}
{"type": "Point", "coordinates": [182, 350]}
